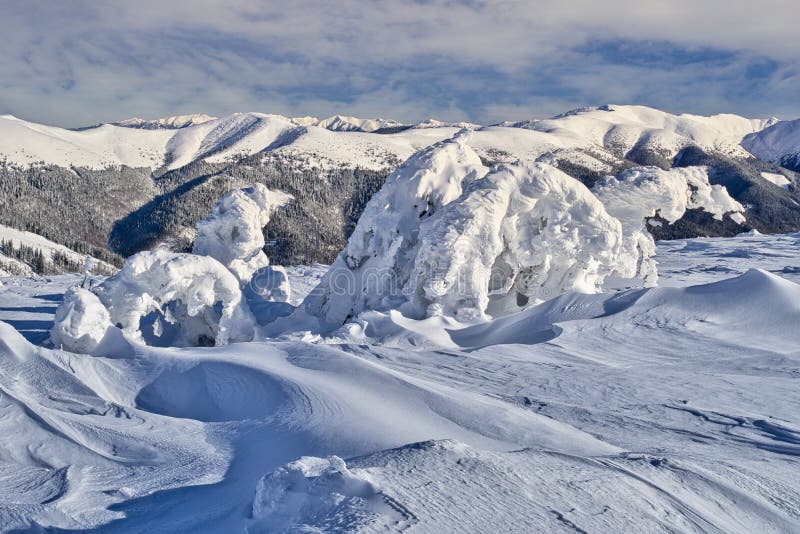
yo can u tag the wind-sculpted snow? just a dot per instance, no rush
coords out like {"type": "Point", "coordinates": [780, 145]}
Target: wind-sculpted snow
{"type": "Point", "coordinates": [443, 237]}
{"type": "Point", "coordinates": [165, 298]}
{"type": "Point", "coordinates": [233, 232]}
{"type": "Point", "coordinates": [378, 258]}
{"type": "Point", "coordinates": [516, 237]}
{"type": "Point", "coordinates": [169, 298]}
{"type": "Point", "coordinates": [638, 195]}
{"type": "Point", "coordinates": [81, 321]}
{"type": "Point", "coordinates": [651, 410]}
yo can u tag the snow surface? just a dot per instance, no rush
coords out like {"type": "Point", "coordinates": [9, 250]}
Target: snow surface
{"type": "Point", "coordinates": [777, 179]}
{"type": "Point", "coordinates": [48, 248]}
{"type": "Point", "coordinates": [780, 143]}
{"type": "Point", "coordinates": [662, 409]}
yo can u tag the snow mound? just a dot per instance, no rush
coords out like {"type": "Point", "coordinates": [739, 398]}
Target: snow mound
{"type": "Point", "coordinates": [637, 195]}
{"type": "Point", "coordinates": [232, 233]}
{"type": "Point", "coordinates": [319, 495]}
{"type": "Point", "coordinates": [179, 299]}
{"type": "Point", "coordinates": [442, 237]}
{"type": "Point", "coordinates": [518, 236]}
{"type": "Point", "coordinates": [756, 309]}
{"type": "Point", "coordinates": [81, 321]}
{"type": "Point", "coordinates": [379, 255]}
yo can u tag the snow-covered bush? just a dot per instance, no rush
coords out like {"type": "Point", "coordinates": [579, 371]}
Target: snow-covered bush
{"type": "Point", "coordinates": [164, 297]}
{"type": "Point", "coordinates": [81, 321]}
{"type": "Point", "coordinates": [233, 232]}
{"type": "Point", "coordinates": [445, 237]}
{"type": "Point", "coordinates": [379, 255]}
{"type": "Point", "coordinates": [639, 194]}
{"type": "Point", "coordinates": [520, 235]}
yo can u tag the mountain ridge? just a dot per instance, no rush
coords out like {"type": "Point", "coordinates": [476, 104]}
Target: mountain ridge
{"type": "Point", "coordinates": [125, 189]}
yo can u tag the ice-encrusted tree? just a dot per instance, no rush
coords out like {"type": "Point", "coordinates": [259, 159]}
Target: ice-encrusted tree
{"type": "Point", "coordinates": [233, 232]}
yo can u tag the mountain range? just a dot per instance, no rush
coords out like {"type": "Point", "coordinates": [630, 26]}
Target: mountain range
{"type": "Point", "coordinates": [114, 189]}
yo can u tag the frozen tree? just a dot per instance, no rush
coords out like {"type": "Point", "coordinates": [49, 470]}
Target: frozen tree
{"type": "Point", "coordinates": [233, 232]}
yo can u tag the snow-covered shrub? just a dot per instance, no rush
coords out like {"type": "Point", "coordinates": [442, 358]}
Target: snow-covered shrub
{"type": "Point", "coordinates": [639, 194]}
{"type": "Point", "coordinates": [380, 253]}
{"type": "Point", "coordinates": [520, 235]}
{"type": "Point", "coordinates": [444, 237]}
{"type": "Point", "coordinates": [81, 321]}
{"type": "Point", "coordinates": [164, 297]}
{"type": "Point", "coordinates": [233, 232]}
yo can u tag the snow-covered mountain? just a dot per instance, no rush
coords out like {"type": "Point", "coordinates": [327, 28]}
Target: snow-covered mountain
{"type": "Point", "coordinates": [594, 136]}
{"type": "Point", "coordinates": [162, 175]}
{"type": "Point", "coordinates": [174, 122]}
{"type": "Point", "coordinates": [779, 144]}
{"type": "Point", "coordinates": [20, 250]}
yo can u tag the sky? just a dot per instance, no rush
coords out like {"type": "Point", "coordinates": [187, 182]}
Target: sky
{"type": "Point", "coordinates": [80, 62]}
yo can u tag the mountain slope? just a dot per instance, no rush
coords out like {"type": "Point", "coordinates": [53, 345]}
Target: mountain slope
{"type": "Point", "coordinates": [139, 183]}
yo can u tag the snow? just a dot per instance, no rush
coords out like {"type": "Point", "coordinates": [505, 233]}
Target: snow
{"type": "Point", "coordinates": [779, 144]}
{"type": "Point", "coordinates": [447, 236]}
{"type": "Point", "coordinates": [638, 194]}
{"type": "Point", "coordinates": [515, 237]}
{"type": "Point", "coordinates": [168, 298]}
{"type": "Point", "coordinates": [777, 179]}
{"type": "Point", "coordinates": [339, 123]}
{"type": "Point", "coordinates": [662, 409]}
{"type": "Point", "coordinates": [232, 233]}
{"type": "Point", "coordinates": [597, 135]}
{"type": "Point", "coordinates": [177, 121]}
{"type": "Point", "coordinates": [81, 321]}
{"type": "Point", "coordinates": [372, 270]}
{"type": "Point", "coordinates": [21, 237]}
{"type": "Point", "coordinates": [26, 143]}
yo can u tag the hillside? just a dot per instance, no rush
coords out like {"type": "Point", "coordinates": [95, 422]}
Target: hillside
{"type": "Point", "coordinates": [123, 187]}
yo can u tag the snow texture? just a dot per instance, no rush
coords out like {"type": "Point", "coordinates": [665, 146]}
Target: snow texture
{"type": "Point", "coordinates": [378, 258]}
{"type": "Point", "coordinates": [650, 410]}
{"type": "Point", "coordinates": [518, 236]}
{"type": "Point", "coordinates": [443, 237]}
{"type": "Point", "coordinates": [233, 232]}
{"type": "Point", "coordinates": [81, 321]}
{"type": "Point", "coordinates": [639, 194]}
{"type": "Point", "coordinates": [180, 299]}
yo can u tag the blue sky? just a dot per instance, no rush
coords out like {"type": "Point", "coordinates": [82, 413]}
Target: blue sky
{"type": "Point", "coordinates": [82, 62]}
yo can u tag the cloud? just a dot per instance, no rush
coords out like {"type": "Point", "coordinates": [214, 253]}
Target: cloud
{"type": "Point", "coordinates": [79, 62]}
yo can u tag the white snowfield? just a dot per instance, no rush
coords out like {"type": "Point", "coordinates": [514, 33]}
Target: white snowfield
{"type": "Point", "coordinates": [593, 136]}
{"type": "Point", "coordinates": [649, 410]}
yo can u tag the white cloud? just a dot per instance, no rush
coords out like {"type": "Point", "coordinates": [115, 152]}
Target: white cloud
{"type": "Point", "coordinates": [88, 61]}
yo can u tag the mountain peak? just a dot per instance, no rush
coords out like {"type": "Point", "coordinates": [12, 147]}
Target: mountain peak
{"type": "Point", "coordinates": [172, 123]}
